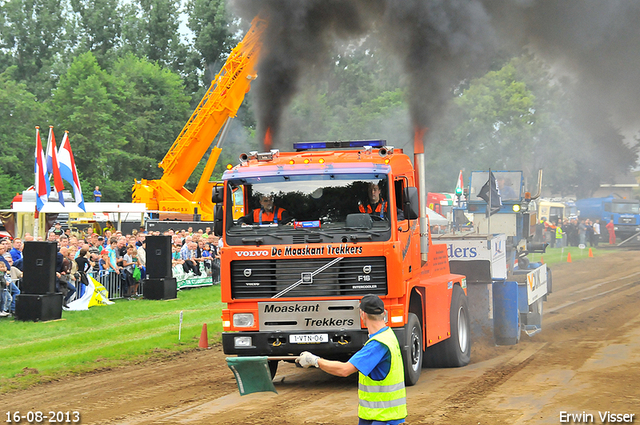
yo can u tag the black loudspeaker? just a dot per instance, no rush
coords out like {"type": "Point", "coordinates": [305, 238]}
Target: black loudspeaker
{"type": "Point", "coordinates": [160, 289]}
{"type": "Point", "coordinates": [36, 307]}
{"type": "Point", "coordinates": [39, 259]}
{"type": "Point", "coordinates": [158, 256]}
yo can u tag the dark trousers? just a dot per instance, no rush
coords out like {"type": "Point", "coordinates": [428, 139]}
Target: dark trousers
{"type": "Point", "coordinates": [190, 265]}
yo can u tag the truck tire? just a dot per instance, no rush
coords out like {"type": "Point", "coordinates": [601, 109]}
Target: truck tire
{"type": "Point", "coordinates": [454, 351]}
{"type": "Point", "coordinates": [412, 353]}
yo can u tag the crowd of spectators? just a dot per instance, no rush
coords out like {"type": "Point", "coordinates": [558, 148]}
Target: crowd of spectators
{"type": "Point", "coordinates": [85, 253]}
{"type": "Point", "coordinates": [569, 232]}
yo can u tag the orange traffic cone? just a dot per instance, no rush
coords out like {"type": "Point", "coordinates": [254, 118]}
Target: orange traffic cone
{"type": "Point", "coordinates": [569, 258]}
{"type": "Point", "coordinates": [590, 253]}
{"type": "Point", "coordinates": [204, 341]}
{"type": "Point", "coordinates": [541, 259]}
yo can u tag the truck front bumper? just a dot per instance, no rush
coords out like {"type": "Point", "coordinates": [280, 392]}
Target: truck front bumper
{"type": "Point", "coordinates": [340, 344]}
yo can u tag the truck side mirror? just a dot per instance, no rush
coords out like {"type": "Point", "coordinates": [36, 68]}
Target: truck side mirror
{"type": "Point", "coordinates": [218, 194]}
{"type": "Point", "coordinates": [411, 207]}
{"type": "Point", "coordinates": [218, 219]}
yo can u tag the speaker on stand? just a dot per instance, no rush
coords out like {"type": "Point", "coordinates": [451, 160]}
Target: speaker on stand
{"type": "Point", "coordinates": [38, 299]}
{"type": "Point", "coordinates": [159, 283]}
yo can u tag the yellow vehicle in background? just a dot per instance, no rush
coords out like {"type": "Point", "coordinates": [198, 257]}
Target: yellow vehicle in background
{"type": "Point", "coordinates": [552, 211]}
{"type": "Point", "coordinates": [212, 116]}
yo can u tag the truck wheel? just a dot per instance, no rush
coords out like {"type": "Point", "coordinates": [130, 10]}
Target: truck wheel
{"type": "Point", "coordinates": [454, 351]}
{"type": "Point", "coordinates": [412, 354]}
{"type": "Point", "coordinates": [458, 346]}
{"type": "Point", "coordinates": [273, 367]}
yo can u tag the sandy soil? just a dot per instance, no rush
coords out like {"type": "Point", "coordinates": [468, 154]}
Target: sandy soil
{"type": "Point", "coordinates": [586, 359]}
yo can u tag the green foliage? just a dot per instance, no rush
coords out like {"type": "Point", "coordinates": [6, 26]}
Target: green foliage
{"type": "Point", "coordinates": [31, 31]}
{"type": "Point", "coordinates": [121, 122]}
{"type": "Point", "coordinates": [520, 118]}
{"type": "Point", "coordinates": [21, 113]}
{"type": "Point", "coordinates": [100, 27]}
{"type": "Point", "coordinates": [106, 336]}
{"type": "Point", "coordinates": [119, 77]}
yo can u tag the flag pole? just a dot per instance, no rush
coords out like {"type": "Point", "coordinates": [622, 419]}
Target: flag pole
{"type": "Point", "coordinates": [36, 214]}
{"type": "Point", "coordinates": [489, 205]}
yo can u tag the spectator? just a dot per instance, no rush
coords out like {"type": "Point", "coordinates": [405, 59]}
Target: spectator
{"type": "Point", "coordinates": [559, 235]}
{"type": "Point", "coordinates": [176, 258]}
{"type": "Point", "coordinates": [106, 238]}
{"type": "Point", "coordinates": [206, 257]}
{"type": "Point", "coordinates": [596, 233]}
{"type": "Point", "coordinates": [97, 195]}
{"type": "Point", "coordinates": [57, 229]}
{"type": "Point", "coordinates": [112, 253]}
{"type": "Point", "coordinates": [5, 291]}
{"type": "Point", "coordinates": [109, 226]}
{"type": "Point", "coordinates": [16, 253]}
{"type": "Point", "coordinates": [63, 270]}
{"type": "Point", "coordinates": [84, 265]}
{"type": "Point", "coordinates": [611, 228]}
{"type": "Point", "coordinates": [582, 232]}
{"type": "Point", "coordinates": [8, 261]}
{"type": "Point", "coordinates": [129, 262]}
{"type": "Point", "coordinates": [142, 259]}
{"type": "Point", "coordinates": [190, 264]}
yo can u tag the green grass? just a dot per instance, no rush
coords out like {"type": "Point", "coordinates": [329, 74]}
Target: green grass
{"type": "Point", "coordinates": [105, 336]}
{"type": "Point", "coordinates": [560, 255]}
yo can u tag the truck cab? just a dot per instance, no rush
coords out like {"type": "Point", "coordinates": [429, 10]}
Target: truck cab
{"type": "Point", "coordinates": [293, 283]}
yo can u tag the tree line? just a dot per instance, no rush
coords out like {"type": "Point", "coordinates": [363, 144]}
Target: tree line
{"type": "Point", "coordinates": [121, 78]}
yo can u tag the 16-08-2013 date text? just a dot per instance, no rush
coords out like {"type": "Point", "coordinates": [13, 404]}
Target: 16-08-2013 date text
{"type": "Point", "coordinates": [43, 417]}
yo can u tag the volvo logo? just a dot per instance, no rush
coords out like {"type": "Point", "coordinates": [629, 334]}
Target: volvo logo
{"type": "Point", "coordinates": [252, 253]}
{"type": "Point", "coordinates": [366, 269]}
{"type": "Point", "coordinates": [306, 278]}
{"type": "Point", "coordinates": [247, 272]}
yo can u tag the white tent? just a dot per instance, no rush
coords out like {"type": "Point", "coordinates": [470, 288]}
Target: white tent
{"type": "Point", "coordinates": [436, 219]}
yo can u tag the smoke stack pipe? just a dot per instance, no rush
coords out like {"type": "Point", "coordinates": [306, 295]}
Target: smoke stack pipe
{"type": "Point", "coordinates": [418, 162]}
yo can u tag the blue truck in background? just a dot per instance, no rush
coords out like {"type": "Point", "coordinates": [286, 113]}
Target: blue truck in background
{"type": "Point", "coordinates": [625, 213]}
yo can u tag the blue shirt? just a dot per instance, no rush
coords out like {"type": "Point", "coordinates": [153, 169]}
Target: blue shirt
{"type": "Point", "coordinates": [97, 195]}
{"type": "Point", "coordinates": [15, 254]}
{"type": "Point", "coordinates": [374, 361]}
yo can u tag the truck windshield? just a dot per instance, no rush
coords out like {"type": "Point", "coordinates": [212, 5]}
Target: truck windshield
{"type": "Point", "coordinates": [625, 208]}
{"type": "Point", "coordinates": [314, 202]}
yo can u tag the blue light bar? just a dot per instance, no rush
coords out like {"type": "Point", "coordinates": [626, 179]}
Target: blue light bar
{"type": "Point", "coordinates": [341, 144]}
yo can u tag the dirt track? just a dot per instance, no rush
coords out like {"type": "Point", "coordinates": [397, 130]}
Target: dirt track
{"type": "Point", "coordinates": [586, 359]}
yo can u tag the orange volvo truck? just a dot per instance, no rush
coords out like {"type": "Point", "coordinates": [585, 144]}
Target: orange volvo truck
{"type": "Point", "coordinates": [295, 284]}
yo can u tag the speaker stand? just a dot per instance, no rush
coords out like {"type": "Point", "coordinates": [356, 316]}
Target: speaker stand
{"type": "Point", "coordinates": [39, 307]}
{"type": "Point", "coordinates": [163, 288]}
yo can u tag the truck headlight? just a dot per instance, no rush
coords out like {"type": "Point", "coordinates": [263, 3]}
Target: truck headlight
{"type": "Point", "coordinates": [242, 341]}
{"type": "Point", "coordinates": [243, 320]}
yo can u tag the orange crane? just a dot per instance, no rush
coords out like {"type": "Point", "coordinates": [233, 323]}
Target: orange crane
{"type": "Point", "coordinates": [214, 113]}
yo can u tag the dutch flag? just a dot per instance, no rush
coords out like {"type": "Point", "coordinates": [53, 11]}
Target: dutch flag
{"type": "Point", "coordinates": [41, 184]}
{"type": "Point", "coordinates": [53, 166]}
{"type": "Point", "coordinates": [68, 169]}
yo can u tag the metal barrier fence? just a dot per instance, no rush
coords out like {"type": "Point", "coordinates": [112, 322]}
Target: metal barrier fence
{"type": "Point", "coordinates": [113, 283]}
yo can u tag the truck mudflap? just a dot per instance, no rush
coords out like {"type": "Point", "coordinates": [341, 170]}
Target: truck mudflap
{"type": "Point", "coordinates": [333, 345]}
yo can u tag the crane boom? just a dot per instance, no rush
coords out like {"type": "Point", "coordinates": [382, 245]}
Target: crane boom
{"type": "Point", "coordinates": [217, 107]}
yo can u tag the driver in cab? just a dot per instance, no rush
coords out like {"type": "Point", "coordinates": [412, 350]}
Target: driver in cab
{"type": "Point", "coordinates": [376, 205]}
{"type": "Point", "coordinates": [268, 213]}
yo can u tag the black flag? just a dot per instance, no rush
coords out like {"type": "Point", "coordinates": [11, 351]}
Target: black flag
{"type": "Point", "coordinates": [491, 194]}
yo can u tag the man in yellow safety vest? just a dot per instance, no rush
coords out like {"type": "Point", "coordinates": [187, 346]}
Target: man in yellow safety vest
{"type": "Point", "coordinates": [381, 391]}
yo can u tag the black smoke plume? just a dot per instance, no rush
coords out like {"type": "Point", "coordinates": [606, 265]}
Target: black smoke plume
{"type": "Point", "coordinates": [440, 42]}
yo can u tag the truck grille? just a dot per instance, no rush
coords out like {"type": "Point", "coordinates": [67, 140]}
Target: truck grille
{"type": "Point", "coordinates": [349, 276]}
{"type": "Point", "coordinates": [627, 220]}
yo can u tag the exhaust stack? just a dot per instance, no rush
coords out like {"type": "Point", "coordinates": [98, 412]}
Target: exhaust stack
{"type": "Point", "coordinates": [418, 162]}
